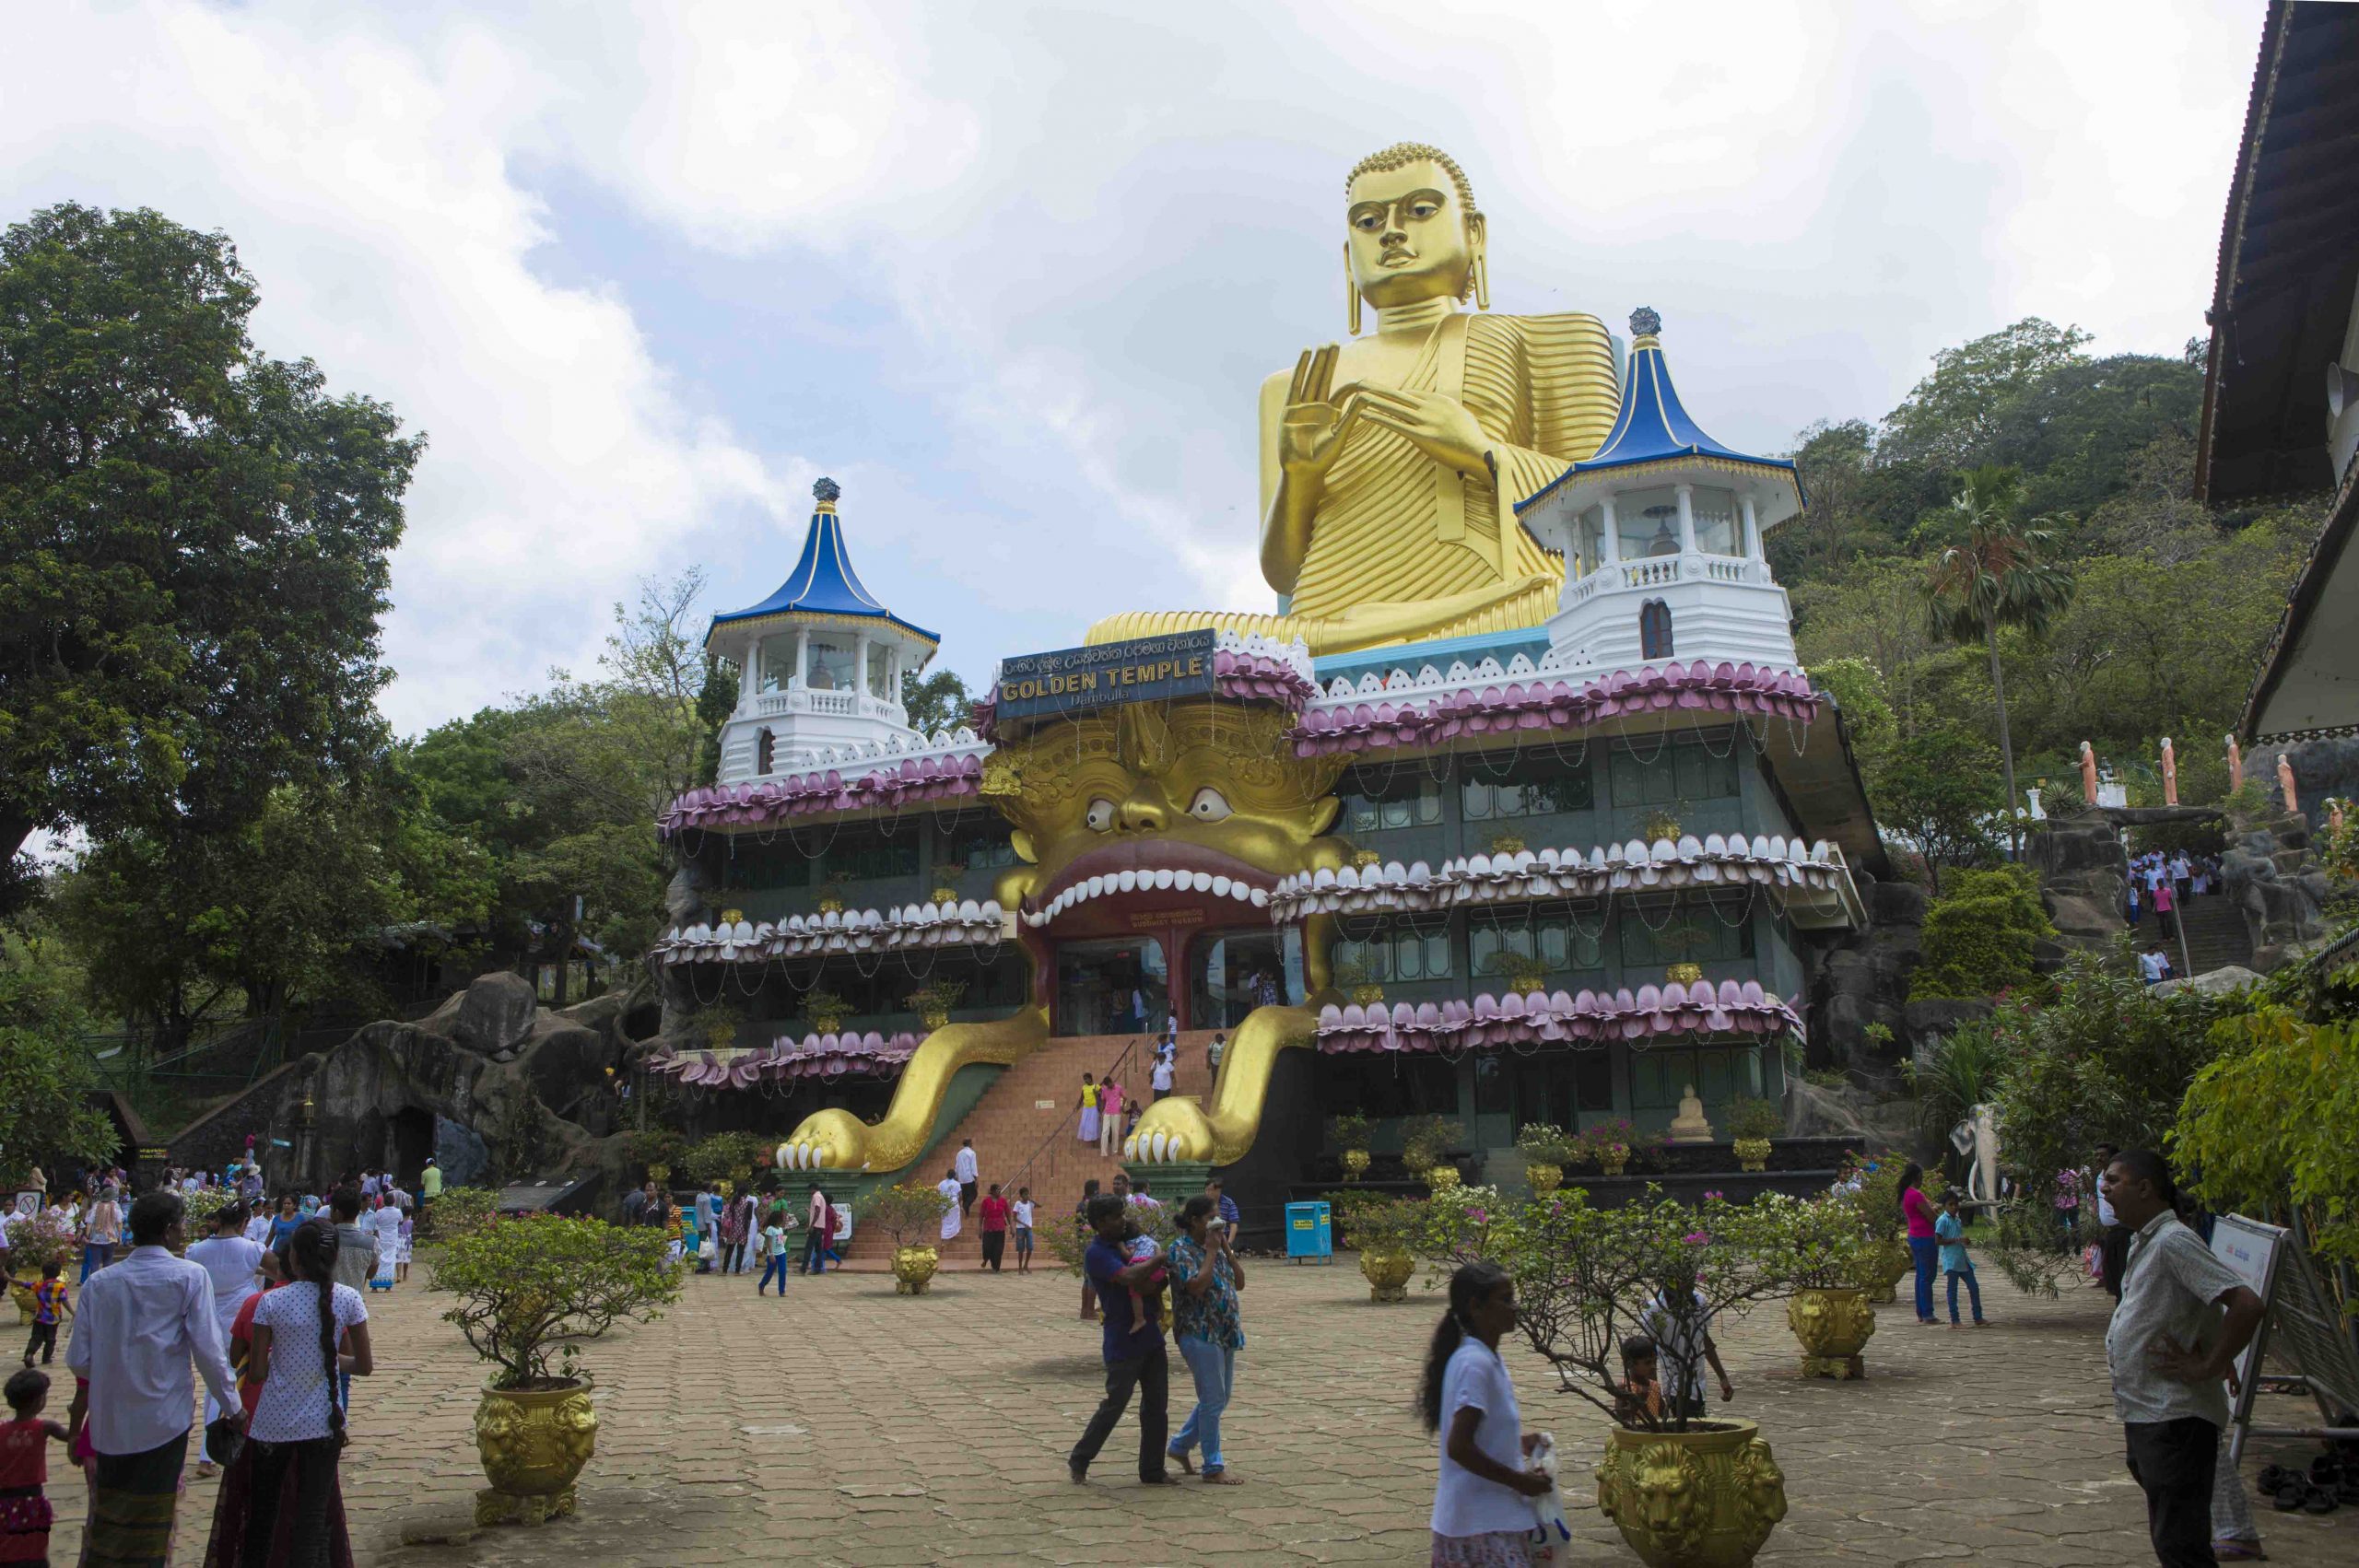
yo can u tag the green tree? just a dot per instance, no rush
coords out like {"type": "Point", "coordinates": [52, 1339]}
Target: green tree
{"type": "Point", "coordinates": [45, 1074]}
{"type": "Point", "coordinates": [1980, 935]}
{"type": "Point", "coordinates": [936, 704]}
{"type": "Point", "coordinates": [1949, 418]}
{"type": "Point", "coordinates": [192, 538]}
{"type": "Point", "coordinates": [1936, 788]}
{"type": "Point", "coordinates": [1995, 577]}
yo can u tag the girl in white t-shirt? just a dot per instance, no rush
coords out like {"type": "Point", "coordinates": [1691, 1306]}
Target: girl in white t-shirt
{"type": "Point", "coordinates": [282, 1502]}
{"type": "Point", "coordinates": [1482, 1514]}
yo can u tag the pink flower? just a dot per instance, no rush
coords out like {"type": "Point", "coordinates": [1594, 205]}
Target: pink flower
{"type": "Point", "coordinates": [1696, 1239]}
{"type": "Point", "coordinates": [1709, 1196]}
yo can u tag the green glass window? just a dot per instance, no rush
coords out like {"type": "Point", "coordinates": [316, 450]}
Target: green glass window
{"type": "Point", "coordinates": [1381, 800]}
{"type": "Point", "coordinates": [985, 848]}
{"type": "Point", "coordinates": [1554, 936]}
{"type": "Point", "coordinates": [876, 859]}
{"type": "Point", "coordinates": [1687, 936]}
{"type": "Point", "coordinates": [1399, 952]}
{"type": "Point", "coordinates": [1658, 1076]}
{"type": "Point", "coordinates": [1525, 784]}
{"type": "Point", "coordinates": [758, 866]}
{"type": "Point", "coordinates": [1679, 771]}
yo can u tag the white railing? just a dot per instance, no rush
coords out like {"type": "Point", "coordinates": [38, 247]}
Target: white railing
{"type": "Point", "coordinates": [1661, 571]}
{"type": "Point", "coordinates": [839, 704]}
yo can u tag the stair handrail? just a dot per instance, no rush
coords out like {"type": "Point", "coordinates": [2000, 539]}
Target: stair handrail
{"type": "Point", "coordinates": [1122, 1064]}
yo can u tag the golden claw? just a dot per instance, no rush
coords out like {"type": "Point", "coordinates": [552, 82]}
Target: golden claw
{"type": "Point", "coordinates": [835, 1140]}
{"type": "Point", "coordinates": [1179, 1127]}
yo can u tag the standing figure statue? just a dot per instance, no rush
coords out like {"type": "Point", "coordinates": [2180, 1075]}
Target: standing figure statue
{"type": "Point", "coordinates": [2235, 765]}
{"type": "Point", "coordinates": [1392, 464]}
{"type": "Point", "coordinates": [2286, 782]}
{"type": "Point", "coordinates": [2170, 774]}
{"type": "Point", "coordinates": [2088, 773]}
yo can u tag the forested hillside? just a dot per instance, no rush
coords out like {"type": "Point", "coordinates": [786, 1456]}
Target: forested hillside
{"type": "Point", "coordinates": [2156, 608]}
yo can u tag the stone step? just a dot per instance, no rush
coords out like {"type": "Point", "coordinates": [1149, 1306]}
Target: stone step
{"type": "Point", "coordinates": [1027, 1131]}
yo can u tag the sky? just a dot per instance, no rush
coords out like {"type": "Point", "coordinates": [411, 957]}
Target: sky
{"type": "Point", "coordinates": [1012, 275]}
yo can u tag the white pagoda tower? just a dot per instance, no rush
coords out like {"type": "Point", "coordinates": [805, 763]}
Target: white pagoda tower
{"type": "Point", "coordinates": [1662, 533]}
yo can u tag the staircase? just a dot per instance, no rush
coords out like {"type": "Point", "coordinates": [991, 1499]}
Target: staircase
{"type": "Point", "coordinates": [2216, 935]}
{"type": "Point", "coordinates": [1027, 1130]}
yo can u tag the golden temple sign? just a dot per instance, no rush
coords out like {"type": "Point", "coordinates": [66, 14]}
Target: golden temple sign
{"type": "Point", "coordinates": [1073, 679]}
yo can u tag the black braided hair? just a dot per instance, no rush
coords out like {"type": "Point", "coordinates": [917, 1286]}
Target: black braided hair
{"type": "Point", "coordinates": [315, 1250]}
{"type": "Point", "coordinates": [1469, 1285]}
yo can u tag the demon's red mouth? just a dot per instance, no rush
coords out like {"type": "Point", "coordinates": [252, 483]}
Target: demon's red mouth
{"type": "Point", "coordinates": [1149, 865]}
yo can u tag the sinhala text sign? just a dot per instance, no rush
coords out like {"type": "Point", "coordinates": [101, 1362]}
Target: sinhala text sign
{"type": "Point", "coordinates": [1073, 679]}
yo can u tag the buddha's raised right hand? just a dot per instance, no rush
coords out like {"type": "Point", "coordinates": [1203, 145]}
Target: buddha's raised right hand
{"type": "Point", "coordinates": [1311, 430]}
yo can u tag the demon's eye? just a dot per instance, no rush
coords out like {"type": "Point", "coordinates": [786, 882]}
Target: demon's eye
{"type": "Point", "coordinates": [1101, 814]}
{"type": "Point", "coordinates": [1208, 806]}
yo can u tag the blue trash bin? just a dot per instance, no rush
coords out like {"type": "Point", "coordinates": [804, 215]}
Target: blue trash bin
{"type": "Point", "coordinates": [1310, 1231]}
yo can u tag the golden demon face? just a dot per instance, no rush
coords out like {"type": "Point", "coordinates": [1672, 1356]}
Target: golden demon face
{"type": "Point", "coordinates": [1205, 804]}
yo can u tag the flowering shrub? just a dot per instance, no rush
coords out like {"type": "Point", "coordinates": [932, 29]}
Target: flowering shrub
{"type": "Point", "coordinates": [1545, 1145]}
{"type": "Point", "coordinates": [911, 1206]}
{"type": "Point", "coordinates": [38, 1240]}
{"type": "Point", "coordinates": [1587, 1277]}
{"type": "Point", "coordinates": [526, 1288]}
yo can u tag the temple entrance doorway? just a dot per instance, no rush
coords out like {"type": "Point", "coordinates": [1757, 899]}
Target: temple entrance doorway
{"type": "Point", "coordinates": [1118, 986]}
{"type": "Point", "coordinates": [1230, 973]}
{"type": "Point", "coordinates": [410, 1139]}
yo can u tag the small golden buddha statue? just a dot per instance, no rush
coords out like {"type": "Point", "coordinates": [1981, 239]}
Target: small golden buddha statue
{"type": "Point", "coordinates": [1392, 464]}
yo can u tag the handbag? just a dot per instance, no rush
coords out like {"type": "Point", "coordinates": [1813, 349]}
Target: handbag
{"type": "Point", "coordinates": [707, 1248]}
{"type": "Point", "coordinates": [222, 1440]}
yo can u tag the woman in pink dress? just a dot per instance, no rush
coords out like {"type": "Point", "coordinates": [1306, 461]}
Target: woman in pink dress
{"type": "Point", "coordinates": [1109, 1117]}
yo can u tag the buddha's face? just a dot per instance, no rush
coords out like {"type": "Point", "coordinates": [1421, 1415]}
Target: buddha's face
{"type": "Point", "coordinates": [1411, 236]}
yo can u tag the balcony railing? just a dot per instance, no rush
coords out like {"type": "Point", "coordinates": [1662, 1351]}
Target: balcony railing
{"type": "Point", "coordinates": [1661, 571]}
{"type": "Point", "coordinates": [837, 705]}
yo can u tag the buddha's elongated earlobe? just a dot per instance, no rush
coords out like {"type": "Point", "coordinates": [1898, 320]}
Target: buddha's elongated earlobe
{"type": "Point", "coordinates": [1351, 289]}
{"type": "Point", "coordinates": [1478, 275]}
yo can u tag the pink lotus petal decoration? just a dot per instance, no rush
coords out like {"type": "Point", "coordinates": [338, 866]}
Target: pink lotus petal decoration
{"type": "Point", "coordinates": [1489, 1022]}
{"type": "Point", "coordinates": [1542, 704]}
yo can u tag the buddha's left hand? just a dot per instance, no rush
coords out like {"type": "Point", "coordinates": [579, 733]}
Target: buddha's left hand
{"type": "Point", "coordinates": [1439, 426]}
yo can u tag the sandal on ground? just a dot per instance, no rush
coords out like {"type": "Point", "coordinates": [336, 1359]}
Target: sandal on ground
{"type": "Point", "coordinates": [2271, 1477]}
{"type": "Point", "coordinates": [2316, 1500]}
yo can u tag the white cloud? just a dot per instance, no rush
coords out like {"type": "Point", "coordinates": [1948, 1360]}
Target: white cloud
{"type": "Point", "coordinates": [1075, 240]}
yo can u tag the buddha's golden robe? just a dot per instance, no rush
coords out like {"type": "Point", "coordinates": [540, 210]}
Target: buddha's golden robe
{"type": "Point", "coordinates": [1394, 529]}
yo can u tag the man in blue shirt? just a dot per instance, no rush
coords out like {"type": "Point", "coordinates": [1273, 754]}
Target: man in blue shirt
{"type": "Point", "coordinates": [1224, 1207]}
{"type": "Point", "coordinates": [1133, 1359]}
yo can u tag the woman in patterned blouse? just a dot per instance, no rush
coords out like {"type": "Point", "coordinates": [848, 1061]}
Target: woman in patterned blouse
{"type": "Point", "coordinates": [1205, 1277]}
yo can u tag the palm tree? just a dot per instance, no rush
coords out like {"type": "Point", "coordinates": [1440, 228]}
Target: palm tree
{"type": "Point", "coordinates": [1996, 578]}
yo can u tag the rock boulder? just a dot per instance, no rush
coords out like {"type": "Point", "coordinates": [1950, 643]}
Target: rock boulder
{"type": "Point", "coordinates": [495, 1014]}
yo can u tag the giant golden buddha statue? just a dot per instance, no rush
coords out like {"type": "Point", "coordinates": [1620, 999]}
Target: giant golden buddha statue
{"type": "Point", "coordinates": [1392, 464]}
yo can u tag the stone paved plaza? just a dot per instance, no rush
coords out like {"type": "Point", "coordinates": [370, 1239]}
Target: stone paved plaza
{"type": "Point", "coordinates": [849, 1426]}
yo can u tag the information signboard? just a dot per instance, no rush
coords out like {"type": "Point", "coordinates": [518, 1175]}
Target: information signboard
{"type": "Point", "coordinates": [1073, 680]}
{"type": "Point", "coordinates": [2301, 1331]}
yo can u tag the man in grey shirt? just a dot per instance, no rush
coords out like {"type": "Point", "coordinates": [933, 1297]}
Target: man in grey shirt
{"type": "Point", "coordinates": [356, 1261]}
{"type": "Point", "coordinates": [2169, 1349]}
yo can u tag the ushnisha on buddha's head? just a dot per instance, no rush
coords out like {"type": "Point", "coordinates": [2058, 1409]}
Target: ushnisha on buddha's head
{"type": "Point", "coordinates": [1416, 232]}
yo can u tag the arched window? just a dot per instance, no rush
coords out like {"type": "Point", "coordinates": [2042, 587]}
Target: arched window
{"type": "Point", "coordinates": [1654, 631]}
{"type": "Point", "coordinates": [765, 751]}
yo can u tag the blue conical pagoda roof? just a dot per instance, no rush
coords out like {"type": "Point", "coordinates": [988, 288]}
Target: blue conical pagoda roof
{"type": "Point", "coordinates": [1653, 426]}
{"type": "Point", "coordinates": [823, 583]}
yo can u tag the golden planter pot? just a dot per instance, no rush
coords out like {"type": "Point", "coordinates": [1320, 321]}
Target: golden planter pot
{"type": "Point", "coordinates": [1368, 996]}
{"type": "Point", "coordinates": [938, 1018]}
{"type": "Point", "coordinates": [913, 1268]}
{"type": "Point", "coordinates": [1545, 1178]}
{"type": "Point", "coordinates": [1885, 1267]}
{"type": "Point", "coordinates": [1834, 1325]}
{"type": "Point", "coordinates": [1355, 1164]}
{"type": "Point", "coordinates": [1614, 1161]}
{"type": "Point", "coordinates": [20, 1290]}
{"type": "Point", "coordinates": [1441, 1178]}
{"type": "Point", "coordinates": [1695, 1499]}
{"type": "Point", "coordinates": [1387, 1274]}
{"type": "Point", "coordinates": [1751, 1154]}
{"type": "Point", "coordinates": [945, 896]}
{"type": "Point", "coordinates": [532, 1442]}
{"type": "Point", "coordinates": [1684, 973]}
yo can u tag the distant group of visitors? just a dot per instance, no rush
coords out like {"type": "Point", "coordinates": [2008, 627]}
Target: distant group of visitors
{"type": "Point", "coordinates": [2161, 883]}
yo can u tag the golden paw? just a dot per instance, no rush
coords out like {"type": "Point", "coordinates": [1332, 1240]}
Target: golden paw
{"type": "Point", "coordinates": [1173, 1130]}
{"type": "Point", "coordinates": [830, 1140]}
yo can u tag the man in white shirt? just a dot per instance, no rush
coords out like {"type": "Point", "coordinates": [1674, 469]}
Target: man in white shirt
{"type": "Point", "coordinates": [2169, 1349]}
{"type": "Point", "coordinates": [1162, 1077]}
{"type": "Point", "coordinates": [141, 1323]}
{"type": "Point", "coordinates": [969, 1174]}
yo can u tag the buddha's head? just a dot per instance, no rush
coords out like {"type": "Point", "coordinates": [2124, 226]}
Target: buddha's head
{"type": "Point", "coordinates": [1414, 230]}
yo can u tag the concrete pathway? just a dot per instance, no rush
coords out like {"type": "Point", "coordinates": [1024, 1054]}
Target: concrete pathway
{"type": "Point", "coordinates": [847, 1426]}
